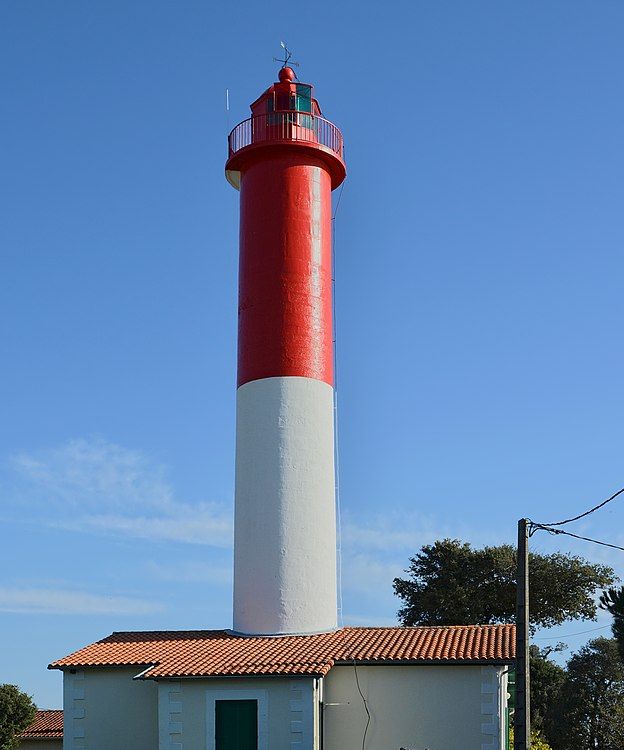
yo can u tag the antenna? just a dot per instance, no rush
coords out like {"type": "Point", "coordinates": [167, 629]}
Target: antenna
{"type": "Point", "coordinates": [287, 55]}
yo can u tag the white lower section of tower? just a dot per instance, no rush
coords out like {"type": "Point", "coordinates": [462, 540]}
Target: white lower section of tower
{"type": "Point", "coordinates": [285, 519]}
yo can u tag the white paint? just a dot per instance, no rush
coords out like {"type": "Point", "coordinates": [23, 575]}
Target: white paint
{"type": "Point", "coordinates": [275, 714]}
{"type": "Point", "coordinates": [302, 703]}
{"type": "Point", "coordinates": [170, 726]}
{"type": "Point", "coordinates": [285, 520]}
{"type": "Point", "coordinates": [261, 696]}
{"type": "Point", "coordinates": [414, 706]}
{"type": "Point", "coordinates": [233, 177]}
{"type": "Point", "coordinates": [74, 710]}
{"type": "Point", "coordinates": [493, 703]}
{"type": "Point", "coordinates": [104, 708]}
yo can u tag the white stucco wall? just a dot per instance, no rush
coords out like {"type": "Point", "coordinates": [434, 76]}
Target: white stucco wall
{"type": "Point", "coordinates": [285, 523]}
{"type": "Point", "coordinates": [416, 707]}
{"type": "Point", "coordinates": [286, 706]}
{"type": "Point", "coordinates": [105, 709]}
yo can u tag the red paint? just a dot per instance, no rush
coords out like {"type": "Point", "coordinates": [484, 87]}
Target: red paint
{"type": "Point", "coordinates": [286, 75]}
{"type": "Point", "coordinates": [285, 285]}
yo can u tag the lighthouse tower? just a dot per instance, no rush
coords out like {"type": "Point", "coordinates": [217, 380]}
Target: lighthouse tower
{"type": "Point", "coordinates": [285, 160]}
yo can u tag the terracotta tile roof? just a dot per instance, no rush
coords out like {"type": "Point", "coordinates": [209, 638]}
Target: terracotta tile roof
{"type": "Point", "coordinates": [46, 725]}
{"type": "Point", "coordinates": [205, 653]}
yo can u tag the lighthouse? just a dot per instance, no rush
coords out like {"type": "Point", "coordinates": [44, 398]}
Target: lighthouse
{"type": "Point", "coordinates": [285, 676]}
{"type": "Point", "coordinates": [285, 160]}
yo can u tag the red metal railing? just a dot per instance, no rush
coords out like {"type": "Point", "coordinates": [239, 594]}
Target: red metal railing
{"type": "Point", "coordinates": [286, 126]}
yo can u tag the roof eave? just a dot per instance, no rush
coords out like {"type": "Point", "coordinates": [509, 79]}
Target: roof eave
{"type": "Point", "coordinates": [125, 665]}
{"type": "Point", "coordinates": [50, 736]}
{"type": "Point", "coordinates": [423, 662]}
{"type": "Point", "coordinates": [239, 675]}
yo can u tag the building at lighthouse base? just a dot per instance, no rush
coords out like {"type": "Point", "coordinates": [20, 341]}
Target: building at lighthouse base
{"type": "Point", "coordinates": [422, 687]}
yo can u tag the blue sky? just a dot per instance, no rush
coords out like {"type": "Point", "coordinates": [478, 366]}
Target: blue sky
{"type": "Point", "coordinates": [479, 273]}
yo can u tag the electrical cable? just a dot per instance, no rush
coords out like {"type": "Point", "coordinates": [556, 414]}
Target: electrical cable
{"type": "Point", "coordinates": [550, 530]}
{"type": "Point", "coordinates": [336, 447]}
{"type": "Point", "coordinates": [569, 635]}
{"type": "Point", "coordinates": [587, 512]}
{"type": "Point", "coordinates": [338, 512]}
{"type": "Point", "coordinates": [365, 702]}
{"type": "Point", "coordinates": [338, 201]}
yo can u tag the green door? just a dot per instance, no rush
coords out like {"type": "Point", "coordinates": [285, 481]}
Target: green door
{"type": "Point", "coordinates": [236, 725]}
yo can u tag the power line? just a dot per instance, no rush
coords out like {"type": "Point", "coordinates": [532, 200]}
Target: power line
{"type": "Point", "coordinates": [550, 530]}
{"type": "Point", "coordinates": [569, 635]}
{"type": "Point", "coordinates": [335, 403]}
{"type": "Point", "coordinates": [365, 702]}
{"type": "Point", "coordinates": [587, 512]}
{"type": "Point", "coordinates": [338, 201]}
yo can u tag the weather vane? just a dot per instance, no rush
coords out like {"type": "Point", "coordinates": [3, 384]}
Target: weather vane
{"type": "Point", "coordinates": [287, 55]}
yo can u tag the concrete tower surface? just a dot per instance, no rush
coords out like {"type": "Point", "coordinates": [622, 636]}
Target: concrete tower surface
{"type": "Point", "coordinates": [285, 160]}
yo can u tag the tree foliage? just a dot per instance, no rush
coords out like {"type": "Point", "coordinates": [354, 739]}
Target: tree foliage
{"type": "Point", "coordinates": [547, 679]}
{"type": "Point", "coordinates": [588, 713]}
{"type": "Point", "coordinates": [537, 741]}
{"type": "Point", "coordinates": [450, 583]}
{"type": "Point", "coordinates": [17, 711]}
{"type": "Point", "coordinates": [613, 601]}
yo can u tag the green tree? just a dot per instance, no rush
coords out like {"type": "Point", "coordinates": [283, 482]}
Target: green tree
{"type": "Point", "coordinates": [547, 679]}
{"type": "Point", "coordinates": [588, 713]}
{"type": "Point", "coordinates": [450, 583]}
{"type": "Point", "coordinates": [16, 712]}
{"type": "Point", "coordinates": [613, 601]}
{"type": "Point", "coordinates": [537, 741]}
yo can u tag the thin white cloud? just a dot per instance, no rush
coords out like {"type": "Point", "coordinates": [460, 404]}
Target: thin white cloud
{"type": "Point", "coordinates": [91, 474]}
{"type": "Point", "coordinates": [97, 487]}
{"type": "Point", "coordinates": [67, 602]}
{"type": "Point", "coordinates": [363, 573]}
{"type": "Point", "coordinates": [377, 549]}
{"type": "Point", "coordinates": [399, 533]}
{"type": "Point", "coordinates": [190, 571]}
{"type": "Point", "coordinates": [190, 525]}
{"type": "Point", "coordinates": [381, 538]}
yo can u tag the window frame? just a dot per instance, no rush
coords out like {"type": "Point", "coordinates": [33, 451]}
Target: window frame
{"type": "Point", "coordinates": [260, 696]}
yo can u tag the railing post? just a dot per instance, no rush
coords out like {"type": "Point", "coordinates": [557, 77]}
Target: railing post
{"type": "Point", "coordinates": [287, 125]}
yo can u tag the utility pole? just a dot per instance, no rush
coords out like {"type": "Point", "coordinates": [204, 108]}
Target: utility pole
{"type": "Point", "coordinates": [522, 713]}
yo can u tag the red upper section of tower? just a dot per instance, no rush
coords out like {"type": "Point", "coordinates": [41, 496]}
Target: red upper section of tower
{"type": "Point", "coordinates": [285, 159]}
{"type": "Point", "coordinates": [285, 277]}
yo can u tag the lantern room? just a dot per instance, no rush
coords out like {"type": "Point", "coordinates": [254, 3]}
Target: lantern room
{"type": "Point", "coordinates": [287, 96]}
{"type": "Point", "coordinates": [286, 115]}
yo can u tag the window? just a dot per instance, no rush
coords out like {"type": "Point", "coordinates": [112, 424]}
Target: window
{"type": "Point", "coordinates": [236, 725]}
{"type": "Point", "coordinates": [271, 118]}
{"type": "Point", "coordinates": [304, 98]}
{"type": "Point", "coordinates": [283, 101]}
